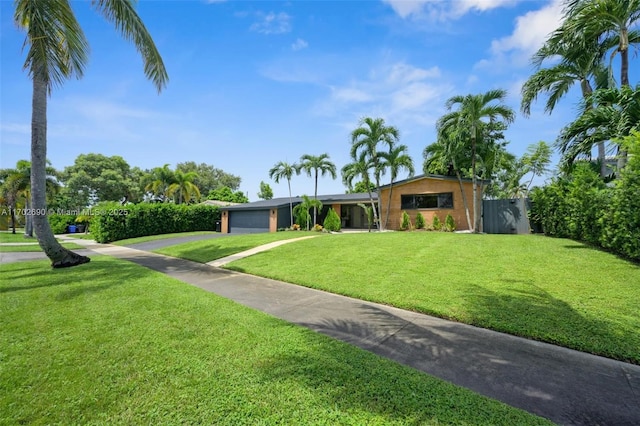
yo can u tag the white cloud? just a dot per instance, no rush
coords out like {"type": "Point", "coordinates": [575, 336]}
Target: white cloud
{"type": "Point", "coordinates": [443, 10]}
{"type": "Point", "coordinates": [272, 23]}
{"type": "Point", "coordinates": [529, 34]}
{"type": "Point", "coordinates": [299, 44]}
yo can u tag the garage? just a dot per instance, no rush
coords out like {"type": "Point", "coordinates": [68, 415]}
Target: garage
{"type": "Point", "coordinates": [248, 221]}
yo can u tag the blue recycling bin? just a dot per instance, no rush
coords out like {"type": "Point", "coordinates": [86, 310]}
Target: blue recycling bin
{"type": "Point", "coordinates": [72, 229]}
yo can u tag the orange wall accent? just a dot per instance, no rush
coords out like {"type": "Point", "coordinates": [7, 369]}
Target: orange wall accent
{"type": "Point", "coordinates": [273, 220]}
{"type": "Point", "coordinates": [224, 226]}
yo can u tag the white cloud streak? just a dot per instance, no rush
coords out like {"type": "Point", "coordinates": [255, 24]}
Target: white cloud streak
{"type": "Point", "coordinates": [272, 23]}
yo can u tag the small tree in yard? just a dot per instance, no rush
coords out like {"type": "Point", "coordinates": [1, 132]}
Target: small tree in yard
{"type": "Point", "coordinates": [437, 224]}
{"type": "Point", "coordinates": [449, 224]}
{"type": "Point", "coordinates": [332, 221]}
{"type": "Point", "coordinates": [420, 223]}
{"type": "Point", "coordinates": [405, 223]}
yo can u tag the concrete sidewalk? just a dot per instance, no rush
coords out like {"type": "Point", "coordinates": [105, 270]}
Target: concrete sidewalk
{"type": "Point", "coordinates": [565, 386]}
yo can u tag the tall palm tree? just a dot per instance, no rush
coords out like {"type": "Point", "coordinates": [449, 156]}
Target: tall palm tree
{"type": "Point", "coordinates": [396, 160]}
{"type": "Point", "coordinates": [609, 21]}
{"type": "Point", "coordinates": [58, 50]}
{"type": "Point", "coordinates": [359, 169]}
{"type": "Point", "coordinates": [318, 164]}
{"type": "Point", "coordinates": [285, 170]}
{"type": "Point", "coordinates": [471, 117]}
{"type": "Point", "coordinates": [184, 186]}
{"type": "Point", "coordinates": [580, 62]}
{"type": "Point", "coordinates": [366, 139]}
{"type": "Point", "coordinates": [449, 152]}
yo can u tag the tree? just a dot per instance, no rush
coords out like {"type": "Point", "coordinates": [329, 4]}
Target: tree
{"type": "Point", "coordinates": [609, 22]}
{"type": "Point", "coordinates": [266, 193]}
{"type": "Point", "coordinates": [159, 183]}
{"type": "Point", "coordinates": [58, 50]}
{"type": "Point", "coordinates": [536, 161]}
{"type": "Point", "coordinates": [360, 169]}
{"type": "Point", "coordinates": [395, 160]}
{"type": "Point", "coordinates": [209, 177]}
{"type": "Point", "coordinates": [580, 62]}
{"type": "Point", "coordinates": [606, 114]}
{"type": "Point", "coordinates": [96, 177]}
{"type": "Point", "coordinates": [469, 121]}
{"type": "Point", "coordinates": [318, 164]}
{"type": "Point", "coordinates": [281, 170]}
{"type": "Point", "coordinates": [301, 211]}
{"type": "Point", "coordinates": [366, 140]}
{"type": "Point", "coordinates": [184, 187]}
{"type": "Point", "coordinates": [225, 193]}
{"type": "Point", "coordinates": [361, 187]}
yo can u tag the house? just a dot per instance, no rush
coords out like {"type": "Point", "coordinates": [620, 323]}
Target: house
{"type": "Point", "coordinates": [429, 194]}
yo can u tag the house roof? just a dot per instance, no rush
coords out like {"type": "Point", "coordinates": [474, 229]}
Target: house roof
{"type": "Point", "coordinates": [284, 201]}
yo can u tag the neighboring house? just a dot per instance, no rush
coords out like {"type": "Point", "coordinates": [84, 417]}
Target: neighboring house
{"type": "Point", "coordinates": [428, 194]}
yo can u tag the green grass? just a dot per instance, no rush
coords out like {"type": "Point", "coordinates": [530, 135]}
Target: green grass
{"type": "Point", "coordinates": [81, 236]}
{"type": "Point", "coordinates": [553, 290]}
{"type": "Point", "coordinates": [18, 237]}
{"type": "Point", "coordinates": [207, 250]}
{"type": "Point", "coordinates": [111, 342]}
{"type": "Point", "coordinates": [35, 247]}
{"type": "Point", "coordinates": [137, 240]}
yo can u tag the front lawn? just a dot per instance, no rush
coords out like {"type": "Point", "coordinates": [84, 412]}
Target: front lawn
{"type": "Point", "coordinates": [36, 247]}
{"type": "Point", "coordinates": [137, 240]}
{"type": "Point", "coordinates": [207, 250]}
{"type": "Point", "coordinates": [110, 342]}
{"type": "Point", "coordinates": [553, 290]}
{"type": "Point", "coordinates": [18, 237]}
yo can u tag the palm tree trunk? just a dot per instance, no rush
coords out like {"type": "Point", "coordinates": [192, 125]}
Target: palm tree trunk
{"type": "Point", "coordinates": [474, 179]}
{"type": "Point", "coordinates": [60, 257]}
{"type": "Point", "coordinates": [290, 202]}
{"type": "Point", "coordinates": [12, 210]}
{"type": "Point", "coordinates": [586, 91]}
{"type": "Point", "coordinates": [315, 197]}
{"type": "Point", "coordinates": [379, 206]}
{"type": "Point", "coordinates": [386, 221]}
{"type": "Point", "coordinates": [28, 223]}
{"type": "Point", "coordinates": [464, 198]}
{"type": "Point", "coordinates": [624, 81]}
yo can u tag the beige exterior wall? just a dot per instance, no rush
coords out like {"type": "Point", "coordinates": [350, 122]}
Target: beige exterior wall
{"type": "Point", "coordinates": [428, 186]}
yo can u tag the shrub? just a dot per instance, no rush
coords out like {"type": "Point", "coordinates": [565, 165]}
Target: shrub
{"type": "Point", "coordinates": [449, 224]}
{"type": "Point", "coordinates": [295, 227]}
{"type": "Point", "coordinates": [59, 222]}
{"type": "Point", "coordinates": [332, 221]}
{"type": "Point", "coordinates": [112, 221]}
{"type": "Point", "coordinates": [420, 223]}
{"type": "Point", "coordinates": [437, 224]}
{"type": "Point", "coordinates": [317, 227]}
{"type": "Point", "coordinates": [405, 222]}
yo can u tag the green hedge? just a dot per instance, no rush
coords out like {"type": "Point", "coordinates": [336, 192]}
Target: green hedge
{"type": "Point", "coordinates": [112, 222]}
{"type": "Point", "coordinates": [582, 207]}
{"type": "Point", "coordinates": [59, 222]}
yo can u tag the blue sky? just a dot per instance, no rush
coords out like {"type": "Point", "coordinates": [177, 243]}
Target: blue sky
{"type": "Point", "coordinates": [254, 83]}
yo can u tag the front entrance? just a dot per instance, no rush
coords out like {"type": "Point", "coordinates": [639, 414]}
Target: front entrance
{"type": "Point", "coordinates": [353, 217]}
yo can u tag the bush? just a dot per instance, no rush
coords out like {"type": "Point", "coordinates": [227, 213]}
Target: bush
{"type": "Point", "coordinates": [112, 221]}
{"type": "Point", "coordinates": [420, 223]}
{"type": "Point", "coordinates": [437, 224]}
{"type": "Point", "coordinates": [59, 222]}
{"type": "Point", "coordinates": [332, 221]}
{"type": "Point", "coordinates": [449, 224]}
{"type": "Point", "coordinates": [405, 222]}
{"type": "Point", "coordinates": [317, 227]}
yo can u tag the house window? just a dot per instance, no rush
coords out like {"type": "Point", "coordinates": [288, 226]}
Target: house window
{"type": "Point", "coordinates": [427, 201]}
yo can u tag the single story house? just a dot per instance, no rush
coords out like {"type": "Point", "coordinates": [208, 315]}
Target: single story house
{"type": "Point", "coordinates": [428, 194]}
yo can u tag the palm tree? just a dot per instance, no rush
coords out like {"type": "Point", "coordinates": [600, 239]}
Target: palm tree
{"type": "Point", "coordinates": [302, 210]}
{"type": "Point", "coordinates": [396, 159]}
{"type": "Point", "coordinates": [365, 140]}
{"type": "Point", "coordinates": [162, 179]}
{"type": "Point", "coordinates": [607, 114]}
{"type": "Point", "coordinates": [580, 62]}
{"type": "Point", "coordinates": [469, 118]}
{"type": "Point", "coordinates": [608, 21]}
{"type": "Point", "coordinates": [359, 169]}
{"type": "Point", "coordinates": [184, 186]}
{"type": "Point", "coordinates": [285, 170]}
{"type": "Point", "coordinates": [58, 50]}
{"type": "Point", "coordinates": [447, 154]}
{"type": "Point", "coordinates": [317, 164]}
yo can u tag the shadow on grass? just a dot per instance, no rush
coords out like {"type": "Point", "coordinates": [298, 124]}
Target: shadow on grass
{"type": "Point", "coordinates": [209, 253]}
{"type": "Point", "coordinates": [98, 275]}
{"type": "Point", "coordinates": [529, 311]}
